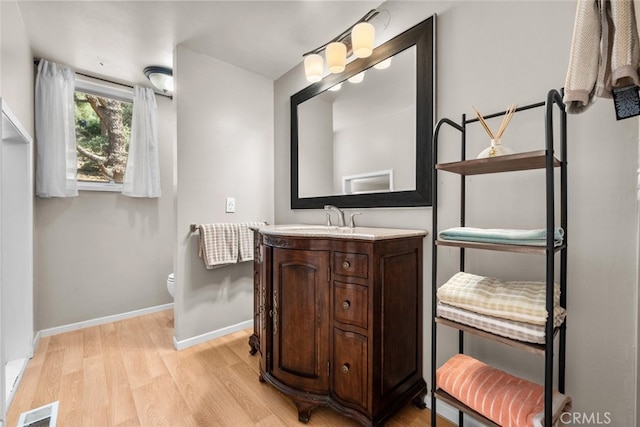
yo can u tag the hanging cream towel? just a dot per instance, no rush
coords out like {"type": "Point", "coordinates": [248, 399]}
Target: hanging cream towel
{"type": "Point", "coordinates": [605, 52]}
{"type": "Point", "coordinates": [218, 244]}
{"type": "Point", "coordinates": [245, 239]}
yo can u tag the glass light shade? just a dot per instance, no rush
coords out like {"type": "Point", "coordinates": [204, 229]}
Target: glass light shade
{"type": "Point", "coordinates": [336, 87]}
{"type": "Point", "coordinates": [160, 77]}
{"type": "Point", "coordinates": [362, 37]}
{"type": "Point", "coordinates": [357, 78]}
{"type": "Point", "coordinates": [162, 82]}
{"type": "Point", "coordinates": [383, 65]}
{"type": "Point", "coordinates": [336, 54]}
{"type": "Point", "coordinates": [313, 67]}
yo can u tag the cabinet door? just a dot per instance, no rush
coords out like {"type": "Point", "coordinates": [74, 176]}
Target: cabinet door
{"type": "Point", "coordinates": [301, 318]}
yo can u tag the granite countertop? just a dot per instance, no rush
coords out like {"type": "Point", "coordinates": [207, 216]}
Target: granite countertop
{"type": "Point", "coordinates": [363, 233]}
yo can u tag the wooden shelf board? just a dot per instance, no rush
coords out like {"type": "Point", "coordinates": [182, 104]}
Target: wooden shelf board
{"type": "Point", "coordinates": [530, 347]}
{"type": "Point", "coordinates": [523, 249]}
{"type": "Point", "coordinates": [447, 398]}
{"type": "Point", "coordinates": [509, 163]}
{"type": "Point", "coordinates": [537, 250]}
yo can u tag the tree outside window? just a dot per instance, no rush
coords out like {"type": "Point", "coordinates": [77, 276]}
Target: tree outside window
{"type": "Point", "coordinates": [103, 132]}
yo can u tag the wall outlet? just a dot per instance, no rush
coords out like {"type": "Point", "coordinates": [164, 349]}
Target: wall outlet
{"type": "Point", "coordinates": [231, 204]}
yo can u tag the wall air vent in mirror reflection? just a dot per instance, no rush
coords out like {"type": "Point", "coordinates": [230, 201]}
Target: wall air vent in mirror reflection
{"type": "Point", "coordinates": [384, 123]}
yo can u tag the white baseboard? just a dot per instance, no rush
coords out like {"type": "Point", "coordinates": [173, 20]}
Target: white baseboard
{"type": "Point", "coordinates": [179, 345]}
{"type": "Point", "coordinates": [189, 342]}
{"type": "Point", "coordinates": [98, 321]}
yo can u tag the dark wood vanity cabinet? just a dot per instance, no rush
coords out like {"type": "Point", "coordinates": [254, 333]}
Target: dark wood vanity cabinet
{"type": "Point", "coordinates": [338, 323]}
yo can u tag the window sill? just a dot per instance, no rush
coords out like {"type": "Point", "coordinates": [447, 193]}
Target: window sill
{"type": "Point", "coordinates": [99, 186]}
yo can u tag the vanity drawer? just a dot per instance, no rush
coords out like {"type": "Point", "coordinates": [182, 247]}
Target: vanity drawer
{"type": "Point", "coordinates": [351, 264]}
{"type": "Point", "coordinates": [350, 304]}
{"type": "Point", "coordinates": [350, 367]}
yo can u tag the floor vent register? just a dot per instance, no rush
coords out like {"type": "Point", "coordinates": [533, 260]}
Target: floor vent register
{"type": "Point", "coordinates": [44, 416]}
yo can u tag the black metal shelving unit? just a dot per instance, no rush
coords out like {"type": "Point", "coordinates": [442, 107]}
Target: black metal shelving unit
{"type": "Point", "coordinates": [542, 159]}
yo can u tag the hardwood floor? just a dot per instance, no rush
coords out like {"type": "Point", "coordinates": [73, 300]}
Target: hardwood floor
{"type": "Point", "coordinates": [127, 373]}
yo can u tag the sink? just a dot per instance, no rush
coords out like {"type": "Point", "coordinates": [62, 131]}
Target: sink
{"type": "Point", "coordinates": [316, 230]}
{"type": "Point", "coordinates": [310, 228]}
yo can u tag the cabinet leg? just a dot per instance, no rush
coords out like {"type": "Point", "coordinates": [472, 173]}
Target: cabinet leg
{"type": "Point", "coordinates": [418, 401]}
{"type": "Point", "coordinates": [254, 343]}
{"type": "Point", "coordinates": [261, 378]}
{"type": "Point", "coordinates": [304, 411]}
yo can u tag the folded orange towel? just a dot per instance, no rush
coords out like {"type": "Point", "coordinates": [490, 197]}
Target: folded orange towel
{"type": "Point", "coordinates": [506, 400]}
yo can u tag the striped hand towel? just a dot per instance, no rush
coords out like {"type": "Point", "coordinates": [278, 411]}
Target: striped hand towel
{"type": "Point", "coordinates": [506, 400]}
{"type": "Point", "coordinates": [518, 301]}
{"type": "Point", "coordinates": [218, 244]}
{"type": "Point", "coordinates": [245, 238]}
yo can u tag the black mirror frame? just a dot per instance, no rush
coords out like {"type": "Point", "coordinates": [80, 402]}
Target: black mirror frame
{"type": "Point", "coordinates": [423, 37]}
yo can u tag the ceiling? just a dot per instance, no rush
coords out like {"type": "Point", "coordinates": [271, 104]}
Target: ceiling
{"type": "Point", "coordinates": [118, 39]}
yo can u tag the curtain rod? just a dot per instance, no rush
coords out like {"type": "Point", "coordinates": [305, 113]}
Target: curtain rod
{"type": "Point", "coordinates": [37, 61]}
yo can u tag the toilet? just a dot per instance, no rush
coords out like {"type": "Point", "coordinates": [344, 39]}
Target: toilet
{"type": "Point", "coordinates": [171, 284]}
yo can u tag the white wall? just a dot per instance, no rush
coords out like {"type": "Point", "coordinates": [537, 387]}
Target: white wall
{"type": "Point", "coordinates": [16, 229]}
{"type": "Point", "coordinates": [102, 253]}
{"type": "Point", "coordinates": [225, 148]}
{"type": "Point", "coordinates": [16, 192]}
{"type": "Point", "coordinates": [17, 83]}
{"type": "Point", "coordinates": [490, 54]}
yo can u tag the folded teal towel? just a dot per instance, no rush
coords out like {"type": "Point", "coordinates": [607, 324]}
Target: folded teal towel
{"type": "Point", "coordinates": [500, 236]}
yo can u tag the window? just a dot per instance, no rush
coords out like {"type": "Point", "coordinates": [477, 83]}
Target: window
{"type": "Point", "coordinates": [103, 131]}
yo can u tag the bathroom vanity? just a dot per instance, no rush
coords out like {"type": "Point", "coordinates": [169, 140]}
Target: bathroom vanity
{"type": "Point", "coordinates": [338, 318]}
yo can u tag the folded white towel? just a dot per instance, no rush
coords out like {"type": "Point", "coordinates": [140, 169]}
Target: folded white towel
{"type": "Point", "coordinates": [218, 244]}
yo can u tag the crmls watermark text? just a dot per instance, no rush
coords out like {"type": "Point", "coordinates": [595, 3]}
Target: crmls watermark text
{"type": "Point", "coordinates": [586, 418]}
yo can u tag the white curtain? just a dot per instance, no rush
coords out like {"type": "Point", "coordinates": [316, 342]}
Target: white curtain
{"type": "Point", "coordinates": [142, 176]}
{"type": "Point", "coordinates": [56, 162]}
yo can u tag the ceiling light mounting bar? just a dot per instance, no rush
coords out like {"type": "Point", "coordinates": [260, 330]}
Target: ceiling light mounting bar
{"type": "Point", "coordinates": [340, 38]}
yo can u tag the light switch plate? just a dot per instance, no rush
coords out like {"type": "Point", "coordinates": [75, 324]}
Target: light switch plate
{"type": "Point", "coordinates": [231, 205]}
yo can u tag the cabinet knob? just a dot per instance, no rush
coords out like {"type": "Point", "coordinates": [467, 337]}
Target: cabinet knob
{"type": "Point", "coordinates": [346, 265]}
{"type": "Point", "coordinates": [345, 368]}
{"type": "Point", "coordinates": [346, 305]}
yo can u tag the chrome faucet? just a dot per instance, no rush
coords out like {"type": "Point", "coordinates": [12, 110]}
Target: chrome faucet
{"type": "Point", "coordinates": [339, 212]}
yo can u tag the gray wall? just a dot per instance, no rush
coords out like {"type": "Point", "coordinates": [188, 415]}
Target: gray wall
{"type": "Point", "coordinates": [490, 54]}
{"type": "Point", "coordinates": [384, 143]}
{"type": "Point", "coordinates": [315, 148]}
{"type": "Point", "coordinates": [101, 253]}
{"type": "Point", "coordinates": [225, 148]}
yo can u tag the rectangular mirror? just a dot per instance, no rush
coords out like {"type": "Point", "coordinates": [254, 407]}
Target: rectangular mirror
{"type": "Point", "coordinates": [367, 144]}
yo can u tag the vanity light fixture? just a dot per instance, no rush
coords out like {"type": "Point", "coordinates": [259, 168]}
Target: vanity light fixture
{"type": "Point", "coordinates": [336, 53]}
{"type": "Point", "coordinates": [357, 40]}
{"type": "Point", "coordinates": [313, 67]}
{"type": "Point", "coordinates": [362, 37]}
{"type": "Point", "coordinates": [335, 88]}
{"type": "Point", "coordinates": [161, 77]}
